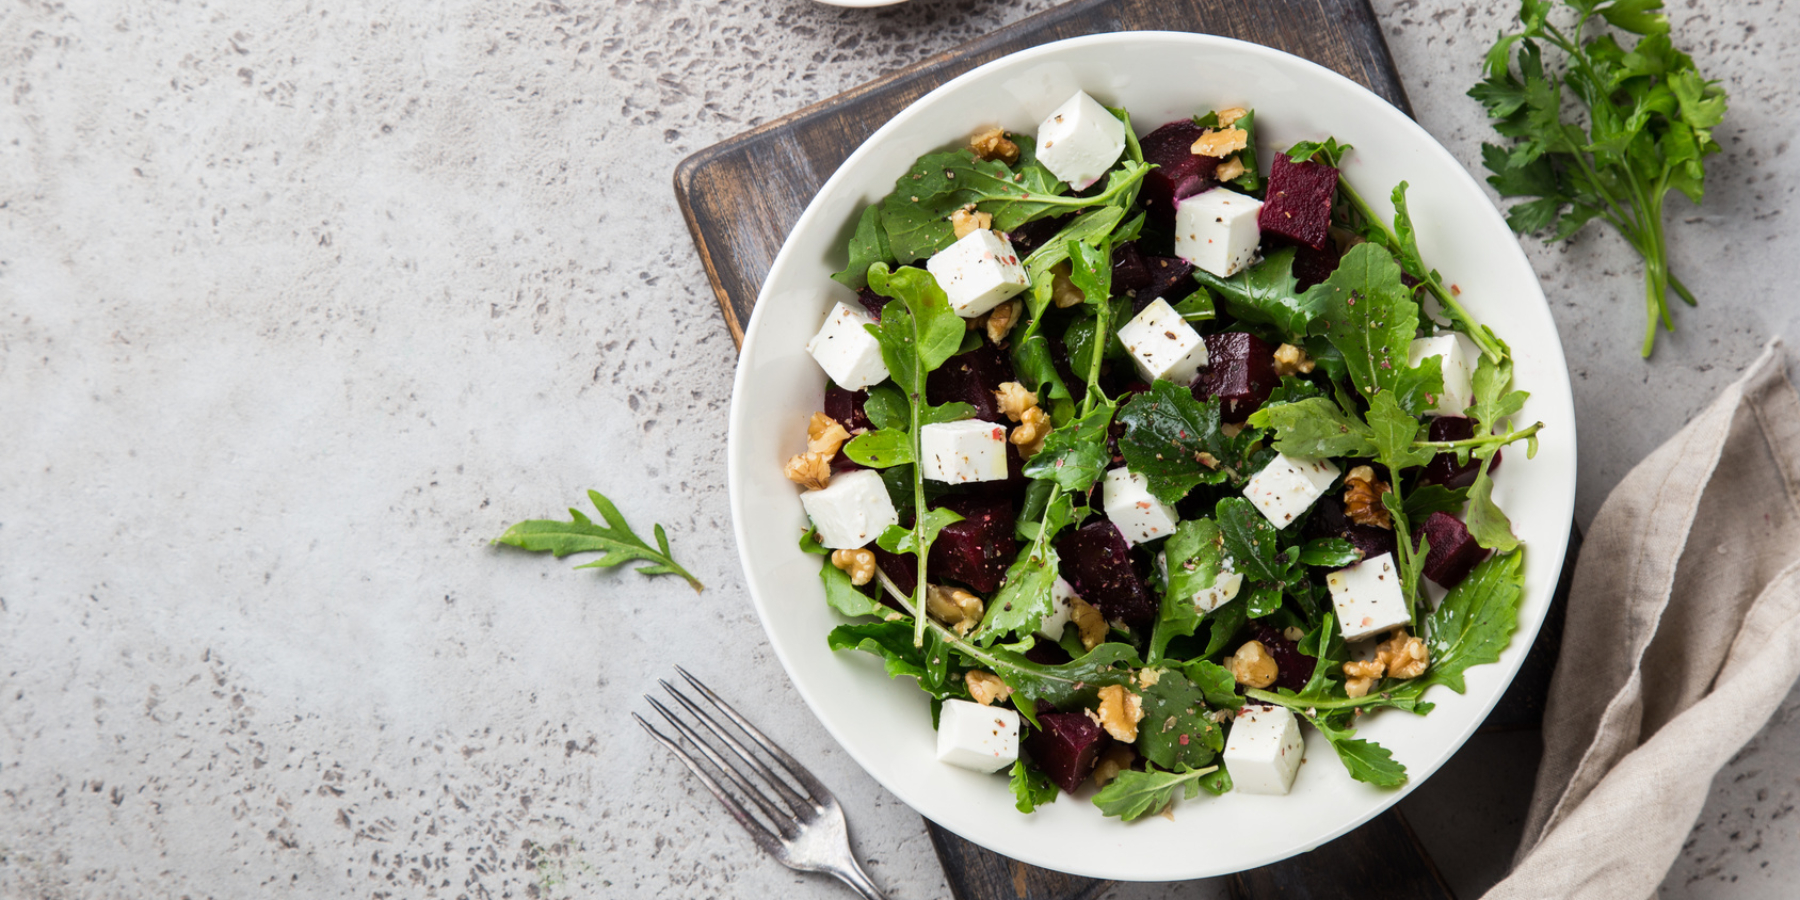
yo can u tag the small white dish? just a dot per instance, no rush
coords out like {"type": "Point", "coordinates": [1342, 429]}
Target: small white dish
{"type": "Point", "coordinates": [885, 724]}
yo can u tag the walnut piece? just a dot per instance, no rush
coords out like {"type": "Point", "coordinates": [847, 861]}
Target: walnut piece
{"type": "Point", "coordinates": [1120, 712]}
{"type": "Point", "coordinates": [1405, 656]}
{"type": "Point", "coordinates": [860, 564]}
{"type": "Point", "coordinates": [1063, 290]}
{"type": "Point", "coordinates": [986, 687]}
{"type": "Point", "coordinates": [1014, 400]}
{"type": "Point", "coordinates": [1360, 677]}
{"type": "Point", "coordinates": [1291, 360]}
{"type": "Point", "coordinates": [1001, 320]}
{"type": "Point", "coordinates": [1229, 117]}
{"type": "Point", "coordinates": [1221, 143]}
{"type": "Point", "coordinates": [809, 470]}
{"type": "Point", "coordinates": [993, 144]}
{"type": "Point", "coordinates": [955, 607]}
{"type": "Point", "coordinates": [1229, 169]}
{"type": "Point", "coordinates": [1116, 759]}
{"type": "Point", "coordinates": [1362, 498]}
{"type": "Point", "coordinates": [1089, 622]}
{"type": "Point", "coordinates": [825, 435]}
{"type": "Point", "coordinates": [1252, 665]}
{"type": "Point", "coordinates": [1029, 434]}
{"type": "Point", "coordinates": [967, 221]}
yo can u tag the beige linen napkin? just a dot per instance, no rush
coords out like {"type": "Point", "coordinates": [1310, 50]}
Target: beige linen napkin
{"type": "Point", "coordinates": [1683, 636]}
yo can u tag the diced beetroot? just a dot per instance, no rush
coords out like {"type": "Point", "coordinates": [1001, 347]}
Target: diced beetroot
{"type": "Point", "coordinates": [1128, 270]}
{"type": "Point", "coordinates": [1179, 173]}
{"type": "Point", "coordinates": [1067, 747]}
{"type": "Point", "coordinates": [1032, 235]}
{"type": "Point", "coordinates": [1453, 553]}
{"type": "Point", "coordinates": [1313, 266]}
{"type": "Point", "coordinates": [1328, 520]}
{"type": "Point", "coordinates": [1097, 562]}
{"type": "Point", "coordinates": [1171, 278]}
{"type": "Point", "coordinates": [977, 550]}
{"type": "Point", "coordinates": [1047, 653]}
{"type": "Point", "coordinates": [1240, 371]}
{"type": "Point", "coordinates": [846, 407]}
{"type": "Point", "coordinates": [903, 570]}
{"type": "Point", "coordinates": [972, 378]}
{"type": "Point", "coordinates": [1298, 204]}
{"type": "Point", "coordinates": [842, 463]}
{"type": "Point", "coordinates": [872, 301]}
{"type": "Point", "coordinates": [1443, 468]}
{"type": "Point", "coordinates": [1295, 669]}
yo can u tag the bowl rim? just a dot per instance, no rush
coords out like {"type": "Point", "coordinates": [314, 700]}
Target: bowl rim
{"type": "Point", "coordinates": [1548, 548]}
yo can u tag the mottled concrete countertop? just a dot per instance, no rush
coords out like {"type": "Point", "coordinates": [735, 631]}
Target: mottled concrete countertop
{"type": "Point", "coordinates": [301, 303]}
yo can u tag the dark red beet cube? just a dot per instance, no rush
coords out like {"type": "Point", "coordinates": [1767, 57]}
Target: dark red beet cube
{"type": "Point", "coordinates": [1313, 266]}
{"type": "Point", "coordinates": [972, 378]}
{"type": "Point", "coordinates": [1443, 468]}
{"type": "Point", "coordinates": [1179, 172]}
{"type": "Point", "coordinates": [1128, 270]}
{"type": "Point", "coordinates": [1047, 653]}
{"type": "Point", "coordinates": [1298, 204]}
{"type": "Point", "coordinates": [977, 550]}
{"type": "Point", "coordinates": [846, 407]}
{"type": "Point", "coordinates": [1067, 747]}
{"type": "Point", "coordinates": [1328, 521]}
{"type": "Point", "coordinates": [872, 301]}
{"type": "Point", "coordinates": [1240, 371]}
{"type": "Point", "coordinates": [1171, 278]}
{"type": "Point", "coordinates": [1453, 553]}
{"type": "Point", "coordinates": [1097, 562]}
{"type": "Point", "coordinates": [902, 570]}
{"type": "Point", "coordinates": [1294, 669]}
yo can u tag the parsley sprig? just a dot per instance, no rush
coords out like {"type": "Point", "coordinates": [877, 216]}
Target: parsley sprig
{"type": "Point", "coordinates": [1649, 120]}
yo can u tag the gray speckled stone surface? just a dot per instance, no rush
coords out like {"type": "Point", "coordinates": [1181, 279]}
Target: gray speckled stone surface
{"type": "Point", "coordinates": [302, 303]}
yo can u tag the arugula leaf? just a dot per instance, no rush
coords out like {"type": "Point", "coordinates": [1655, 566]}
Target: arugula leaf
{"type": "Point", "coordinates": [1134, 795]}
{"type": "Point", "coordinates": [1175, 730]}
{"type": "Point", "coordinates": [1193, 556]}
{"type": "Point", "coordinates": [1370, 317]}
{"type": "Point", "coordinates": [580, 535]}
{"type": "Point", "coordinates": [921, 331]}
{"type": "Point", "coordinates": [1329, 151]}
{"type": "Point", "coordinates": [893, 642]}
{"type": "Point", "coordinates": [843, 596]}
{"type": "Point", "coordinates": [895, 539]}
{"type": "Point", "coordinates": [868, 246]}
{"type": "Point", "coordinates": [886, 406]}
{"type": "Point", "coordinates": [1395, 434]}
{"type": "Point", "coordinates": [1177, 442]}
{"type": "Point", "coordinates": [1366, 761]}
{"type": "Point", "coordinates": [1314, 428]}
{"type": "Point", "coordinates": [1216, 682]}
{"type": "Point", "coordinates": [1487, 523]}
{"type": "Point", "coordinates": [1255, 549]}
{"type": "Point", "coordinates": [1426, 499]}
{"type": "Point", "coordinates": [1025, 597]}
{"type": "Point", "coordinates": [1074, 456]}
{"type": "Point", "coordinates": [1476, 620]}
{"type": "Point", "coordinates": [881, 449]}
{"type": "Point", "coordinates": [1268, 293]}
{"type": "Point", "coordinates": [1031, 788]}
{"type": "Point", "coordinates": [1494, 405]}
{"type": "Point", "coordinates": [1334, 553]}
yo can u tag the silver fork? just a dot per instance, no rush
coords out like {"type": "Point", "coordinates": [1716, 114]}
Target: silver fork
{"type": "Point", "coordinates": [802, 825]}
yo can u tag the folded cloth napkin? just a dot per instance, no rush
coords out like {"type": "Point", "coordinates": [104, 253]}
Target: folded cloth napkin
{"type": "Point", "coordinates": [1682, 637]}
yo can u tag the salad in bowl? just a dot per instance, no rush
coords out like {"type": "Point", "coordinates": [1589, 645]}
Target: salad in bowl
{"type": "Point", "coordinates": [1144, 457]}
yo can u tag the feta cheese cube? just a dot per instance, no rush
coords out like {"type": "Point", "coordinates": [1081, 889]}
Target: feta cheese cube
{"type": "Point", "coordinates": [1217, 231]}
{"type": "Point", "coordinates": [1163, 345]}
{"type": "Point", "coordinates": [1062, 608]}
{"type": "Point", "coordinates": [1264, 750]}
{"type": "Point", "coordinates": [848, 352]}
{"type": "Point", "coordinates": [851, 511]}
{"type": "Point", "coordinates": [1137, 514]}
{"type": "Point", "coordinates": [976, 737]}
{"type": "Point", "coordinates": [1287, 487]}
{"type": "Point", "coordinates": [1080, 141]}
{"type": "Point", "coordinates": [1460, 358]}
{"type": "Point", "coordinates": [1367, 597]}
{"type": "Point", "coordinates": [959, 452]}
{"type": "Point", "coordinates": [978, 272]}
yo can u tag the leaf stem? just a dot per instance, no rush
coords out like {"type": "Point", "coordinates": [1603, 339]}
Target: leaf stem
{"type": "Point", "coordinates": [954, 640]}
{"type": "Point", "coordinates": [1501, 439]}
{"type": "Point", "coordinates": [1302, 705]}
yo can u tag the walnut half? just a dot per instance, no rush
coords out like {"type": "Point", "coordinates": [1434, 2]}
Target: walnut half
{"type": "Point", "coordinates": [1405, 656]}
{"type": "Point", "coordinates": [986, 687]}
{"type": "Point", "coordinates": [993, 144]}
{"type": "Point", "coordinates": [955, 607]}
{"type": "Point", "coordinates": [1120, 712]}
{"type": "Point", "coordinates": [1252, 665]}
{"type": "Point", "coordinates": [858, 564]}
{"type": "Point", "coordinates": [1362, 498]}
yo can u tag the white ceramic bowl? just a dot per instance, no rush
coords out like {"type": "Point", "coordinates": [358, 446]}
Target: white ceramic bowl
{"type": "Point", "coordinates": [885, 724]}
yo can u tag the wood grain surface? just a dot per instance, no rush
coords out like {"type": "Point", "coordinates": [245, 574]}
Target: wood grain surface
{"type": "Point", "coordinates": [741, 196]}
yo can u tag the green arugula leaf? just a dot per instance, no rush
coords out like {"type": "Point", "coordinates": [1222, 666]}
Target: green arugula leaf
{"type": "Point", "coordinates": [893, 642]}
{"type": "Point", "coordinates": [580, 535]}
{"type": "Point", "coordinates": [1254, 547]}
{"type": "Point", "coordinates": [1487, 523]}
{"type": "Point", "coordinates": [1268, 293]}
{"type": "Point", "coordinates": [1426, 499]}
{"type": "Point", "coordinates": [868, 246]}
{"type": "Point", "coordinates": [1328, 151]}
{"type": "Point", "coordinates": [1214, 681]}
{"type": "Point", "coordinates": [1025, 596]}
{"type": "Point", "coordinates": [896, 539]}
{"type": "Point", "coordinates": [1090, 268]}
{"type": "Point", "coordinates": [1193, 556]}
{"type": "Point", "coordinates": [1175, 730]}
{"type": "Point", "coordinates": [881, 449]}
{"type": "Point", "coordinates": [1074, 456]}
{"type": "Point", "coordinates": [1370, 317]}
{"type": "Point", "coordinates": [1476, 620]}
{"type": "Point", "coordinates": [1197, 307]}
{"type": "Point", "coordinates": [916, 216]}
{"type": "Point", "coordinates": [1494, 405]}
{"type": "Point", "coordinates": [1334, 553]}
{"type": "Point", "coordinates": [1394, 433]}
{"type": "Point", "coordinates": [886, 407]}
{"type": "Point", "coordinates": [1031, 788]}
{"type": "Point", "coordinates": [924, 332]}
{"type": "Point", "coordinates": [1177, 442]}
{"type": "Point", "coordinates": [1366, 761]}
{"type": "Point", "coordinates": [1314, 428]}
{"type": "Point", "coordinates": [1134, 795]}
{"type": "Point", "coordinates": [843, 596]}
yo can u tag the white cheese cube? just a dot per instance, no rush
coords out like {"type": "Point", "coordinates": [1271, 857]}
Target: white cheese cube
{"type": "Point", "coordinates": [978, 272]}
{"type": "Point", "coordinates": [1460, 358]}
{"type": "Point", "coordinates": [851, 511]}
{"type": "Point", "coordinates": [959, 452]}
{"type": "Point", "coordinates": [981, 738]}
{"type": "Point", "coordinates": [1368, 597]}
{"type": "Point", "coordinates": [848, 352]}
{"type": "Point", "coordinates": [1217, 231]}
{"type": "Point", "coordinates": [1287, 487]}
{"type": "Point", "coordinates": [1163, 345]}
{"type": "Point", "coordinates": [1080, 141]}
{"type": "Point", "coordinates": [1137, 514]}
{"type": "Point", "coordinates": [1062, 608]}
{"type": "Point", "coordinates": [1264, 750]}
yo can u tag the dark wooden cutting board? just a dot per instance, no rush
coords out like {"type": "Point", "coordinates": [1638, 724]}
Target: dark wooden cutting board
{"type": "Point", "coordinates": [741, 196]}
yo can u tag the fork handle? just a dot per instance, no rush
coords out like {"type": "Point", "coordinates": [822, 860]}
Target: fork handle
{"type": "Point", "coordinates": [858, 880]}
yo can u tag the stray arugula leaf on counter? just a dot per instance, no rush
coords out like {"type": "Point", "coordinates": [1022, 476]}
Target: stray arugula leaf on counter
{"type": "Point", "coordinates": [1648, 130]}
{"type": "Point", "coordinates": [581, 535]}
